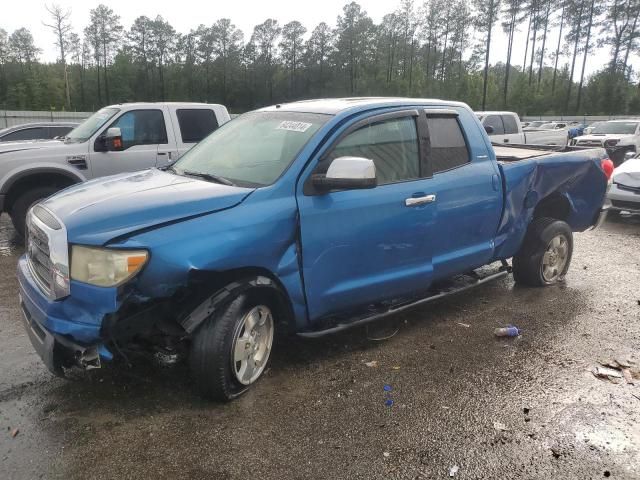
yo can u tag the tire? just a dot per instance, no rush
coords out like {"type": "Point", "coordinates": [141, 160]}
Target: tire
{"type": "Point", "coordinates": [545, 254]}
{"type": "Point", "coordinates": [225, 337]}
{"type": "Point", "coordinates": [24, 202]}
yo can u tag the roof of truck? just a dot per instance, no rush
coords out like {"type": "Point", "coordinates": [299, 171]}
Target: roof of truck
{"type": "Point", "coordinates": [333, 106]}
{"type": "Point", "coordinates": [156, 104]}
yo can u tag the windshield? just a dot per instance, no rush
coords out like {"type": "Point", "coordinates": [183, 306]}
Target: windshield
{"type": "Point", "coordinates": [536, 124]}
{"type": "Point", "coordinates": [83, 132]}
{"type": "Point", "coordinates": [621, 128]}
{"type": "Point", "coordinates": [548, 126]}
{"type": "Point", "coordinates": [253, 149]}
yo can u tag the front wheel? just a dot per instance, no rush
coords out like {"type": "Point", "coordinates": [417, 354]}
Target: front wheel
{"type": "Point", "coordinates": [24, 202]}
{"type": "Point", "coordinates": [545, 255]}
{"type": "Point", "coordinates": [231, 349]}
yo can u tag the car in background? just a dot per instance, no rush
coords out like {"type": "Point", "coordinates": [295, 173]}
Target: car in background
{"type": "Point", "coordinates": [624, 194]}
{"type": "Point", "coordinates": [36, 131]}
{"type": "Point", "coordinates": [119, 138]}
{"type": "Point", "coordinates": [588, 129]}
{"type": "Point", "coordinates": [505, 127]}
{"type": "Point", "coordinates": [618, 137]}
{"type": "Point", "coordinates": [533, 125]}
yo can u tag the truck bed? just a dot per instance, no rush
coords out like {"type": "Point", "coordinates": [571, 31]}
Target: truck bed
{"type": "Point", "coordinates": [516, 152]}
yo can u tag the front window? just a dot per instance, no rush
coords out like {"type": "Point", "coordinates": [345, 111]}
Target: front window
{"type": "Point", "coordinates": [91, 125]}
{"type": "Point", "coordinates": [620, 128]}
{"type": "Point", "coordinates": [254, 149]}
{"type": "Point", "coordinates": [548, 126]}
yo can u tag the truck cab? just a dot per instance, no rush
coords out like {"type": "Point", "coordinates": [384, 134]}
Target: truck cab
{"type": "Point", "coordinates": [151, 135]}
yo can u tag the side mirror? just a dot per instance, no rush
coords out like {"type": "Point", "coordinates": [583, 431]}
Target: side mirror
{"type": "Point", "coordinates": [347, 173]}
{"type": "Point", "coordinates": [489, 129]}
{"type": "Point", "coordinates": [113, 139]}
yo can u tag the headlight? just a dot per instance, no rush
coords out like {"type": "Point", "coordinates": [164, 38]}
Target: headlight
{"type": "Point", "coordinates": [105, 267]}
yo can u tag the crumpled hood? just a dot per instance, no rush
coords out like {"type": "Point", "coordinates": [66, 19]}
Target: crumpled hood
{"type": "Point", "coordinates": [97, 211]}
{"type": "Point", "coordinates": [628, 173]}
{"type": "Point", "coordinates": [7, 147]}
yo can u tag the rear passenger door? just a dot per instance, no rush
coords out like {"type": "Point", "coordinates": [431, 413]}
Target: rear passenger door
{"type": "Point", "coordinates": [468, 194]}
{"type": "Point", "coordinates": [191, 125]}
{"type": "Point", "coordinates": [511, 132]}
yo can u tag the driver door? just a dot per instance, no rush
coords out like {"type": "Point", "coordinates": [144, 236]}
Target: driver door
{"type": "Point", "coordinates": [361, 247]}
{"type": "Point", "coordinates": [143, 133]}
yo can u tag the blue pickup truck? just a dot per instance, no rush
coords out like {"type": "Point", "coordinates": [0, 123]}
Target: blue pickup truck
{"type": "Point", "coordinates": [309, 217]}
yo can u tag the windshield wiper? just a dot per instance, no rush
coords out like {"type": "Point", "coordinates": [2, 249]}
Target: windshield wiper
{"type": "Point", "coordinates": [210, 177]}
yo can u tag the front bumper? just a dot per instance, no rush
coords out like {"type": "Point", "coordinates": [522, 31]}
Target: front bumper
{"type": "Point", "coordinates": [54, 328]}
{"type": "Point", "coordinates": [623, 200]}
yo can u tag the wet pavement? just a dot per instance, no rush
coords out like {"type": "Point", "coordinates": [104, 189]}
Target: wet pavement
{"type": "Point", "coordinates": [496, 408]}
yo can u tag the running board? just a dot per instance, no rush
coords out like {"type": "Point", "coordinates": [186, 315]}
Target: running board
{"type": "Point", "coordinates": [400, 308]}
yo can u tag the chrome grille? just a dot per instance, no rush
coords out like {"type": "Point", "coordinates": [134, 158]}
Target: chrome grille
{"type": "Point", "coordinates": [38, 257]}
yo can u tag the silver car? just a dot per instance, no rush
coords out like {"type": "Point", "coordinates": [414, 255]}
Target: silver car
{"type": "Point", "coordinates": [624, 193]}
{"type": "Point", "coordinates": [36, 131]}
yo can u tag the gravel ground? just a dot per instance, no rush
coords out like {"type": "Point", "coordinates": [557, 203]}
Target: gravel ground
{"type": "Point", "coordinates": [496, 408]}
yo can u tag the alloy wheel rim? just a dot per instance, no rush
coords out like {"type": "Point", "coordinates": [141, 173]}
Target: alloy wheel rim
{"type": "Point", "coordinates": [555, 258]}
{"type": "Point", "coordinates": [251, 345]}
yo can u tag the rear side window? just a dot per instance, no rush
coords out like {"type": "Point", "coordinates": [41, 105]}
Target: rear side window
{"type": "Point", "coordinates": [494, 121]}
{"type": "Point", "coordinates": [448, 146]}
{"type": "Point", "coordinates": [26, 134]}
{"type": "Point", "coordinates": [59, 131]}
{"type": "Point", "coordinates": [510, 124]}
{"type": "Point", "coordinates": [196, 124]}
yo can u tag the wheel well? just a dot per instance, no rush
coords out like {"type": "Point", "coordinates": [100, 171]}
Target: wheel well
{"type": "Point", "coordinates": [35, 180]}
{"type": "Point", "coordinates": [553, 206]}
{"type": "Point", "coordinates": [209, 284]}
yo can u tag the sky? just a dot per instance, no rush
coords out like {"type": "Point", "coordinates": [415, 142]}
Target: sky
{"type": "Point", "coordinates": [245, 14]}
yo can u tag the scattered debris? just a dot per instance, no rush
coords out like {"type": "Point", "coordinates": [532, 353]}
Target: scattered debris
{"type": "Point", "coordinates": [396, 367]}
{"type": "Point", "coordinates": [453, 470]}
{"type": "Point", "coordinates": [556, 453]}
{"type": "Point", "coordinates": [607, 373]}
{"type": "Point", "coordinates": [501, 427]}
{"type": "Point", "coordinates": [386, 454]}
{"type": "Point", "coordinates": [465, 325]}
{"type": "Point", "coordinates": [626, 373]}
{"type": "Point", "coordinates": [372, 364]}
{"type": "Point", "coordinates": [635, 396]}
{"type": "Point", "coordinates": [388, 402]}
{"type": "Point", "coordinates": [526, 410]}
{"type": "Point", "coordinates": [387, 388]}
{"type": "Point", "coordinates": [15, 432]}
{"type": "Point", "coordinates": [508, 331]}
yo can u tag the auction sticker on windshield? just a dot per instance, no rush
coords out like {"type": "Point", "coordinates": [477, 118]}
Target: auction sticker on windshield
{"type": "Point", "coordinates": [294, 126]}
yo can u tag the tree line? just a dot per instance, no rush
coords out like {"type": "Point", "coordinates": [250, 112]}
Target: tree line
{"type": "Point", "coordinates": [440, 48]}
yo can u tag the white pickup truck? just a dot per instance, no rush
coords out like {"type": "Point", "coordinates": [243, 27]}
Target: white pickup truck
{"type": "Point", "coordinates": [118, 138]}
{"type": "Point", "coordinates": [621, 138]}
{"type": "Point", "coordinates": [505, 127]}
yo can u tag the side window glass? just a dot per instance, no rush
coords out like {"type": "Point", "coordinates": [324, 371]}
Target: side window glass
{"type": "Point", "coordinates": [494, 121]}
{"type": "Point", "coordinates": [26, 134]}
{"type": "Point", "coordinates": [391, 144]}
{"type": "Point", "coordinates": [196, 124]}
{"type": "Point", "coordinates": [141, 127]}
{"type": "Point", "coordinates": [510, 124]}
{"type": "Point", "coordinates": [448, 146]}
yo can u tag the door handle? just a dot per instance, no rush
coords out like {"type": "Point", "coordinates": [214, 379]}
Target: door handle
{"type": "Point", "coordinates": [506, 140]}
{"type": "Point", "coordinates": [415, 201]}
{"type": "Point", "coordinates": [165, 153]}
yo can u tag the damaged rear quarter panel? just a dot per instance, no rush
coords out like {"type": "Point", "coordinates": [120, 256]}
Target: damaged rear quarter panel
{"type": "Point", "coordinates": [578, 179]}
{"type": "Point", "coordinates": [258, 233]}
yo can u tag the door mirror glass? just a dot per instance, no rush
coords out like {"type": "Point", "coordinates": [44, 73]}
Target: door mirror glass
{"type": "Point", "coordinates": [347, 173]}
{"type": "Point", "coordinates": [489, 129]}
{"type": "Point", "coordinates": [113, 139]}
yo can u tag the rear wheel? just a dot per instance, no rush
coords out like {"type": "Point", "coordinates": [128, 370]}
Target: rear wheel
{"type": "Point", "coordinates": [231, 349]}
{"type": "Point", "coordinates": [24, 202]}
{"type": "Point", "coordinates": [545, 255]}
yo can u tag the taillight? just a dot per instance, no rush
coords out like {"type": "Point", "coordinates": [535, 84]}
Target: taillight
{"type": "Point", "coordinates": [607, 167]}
